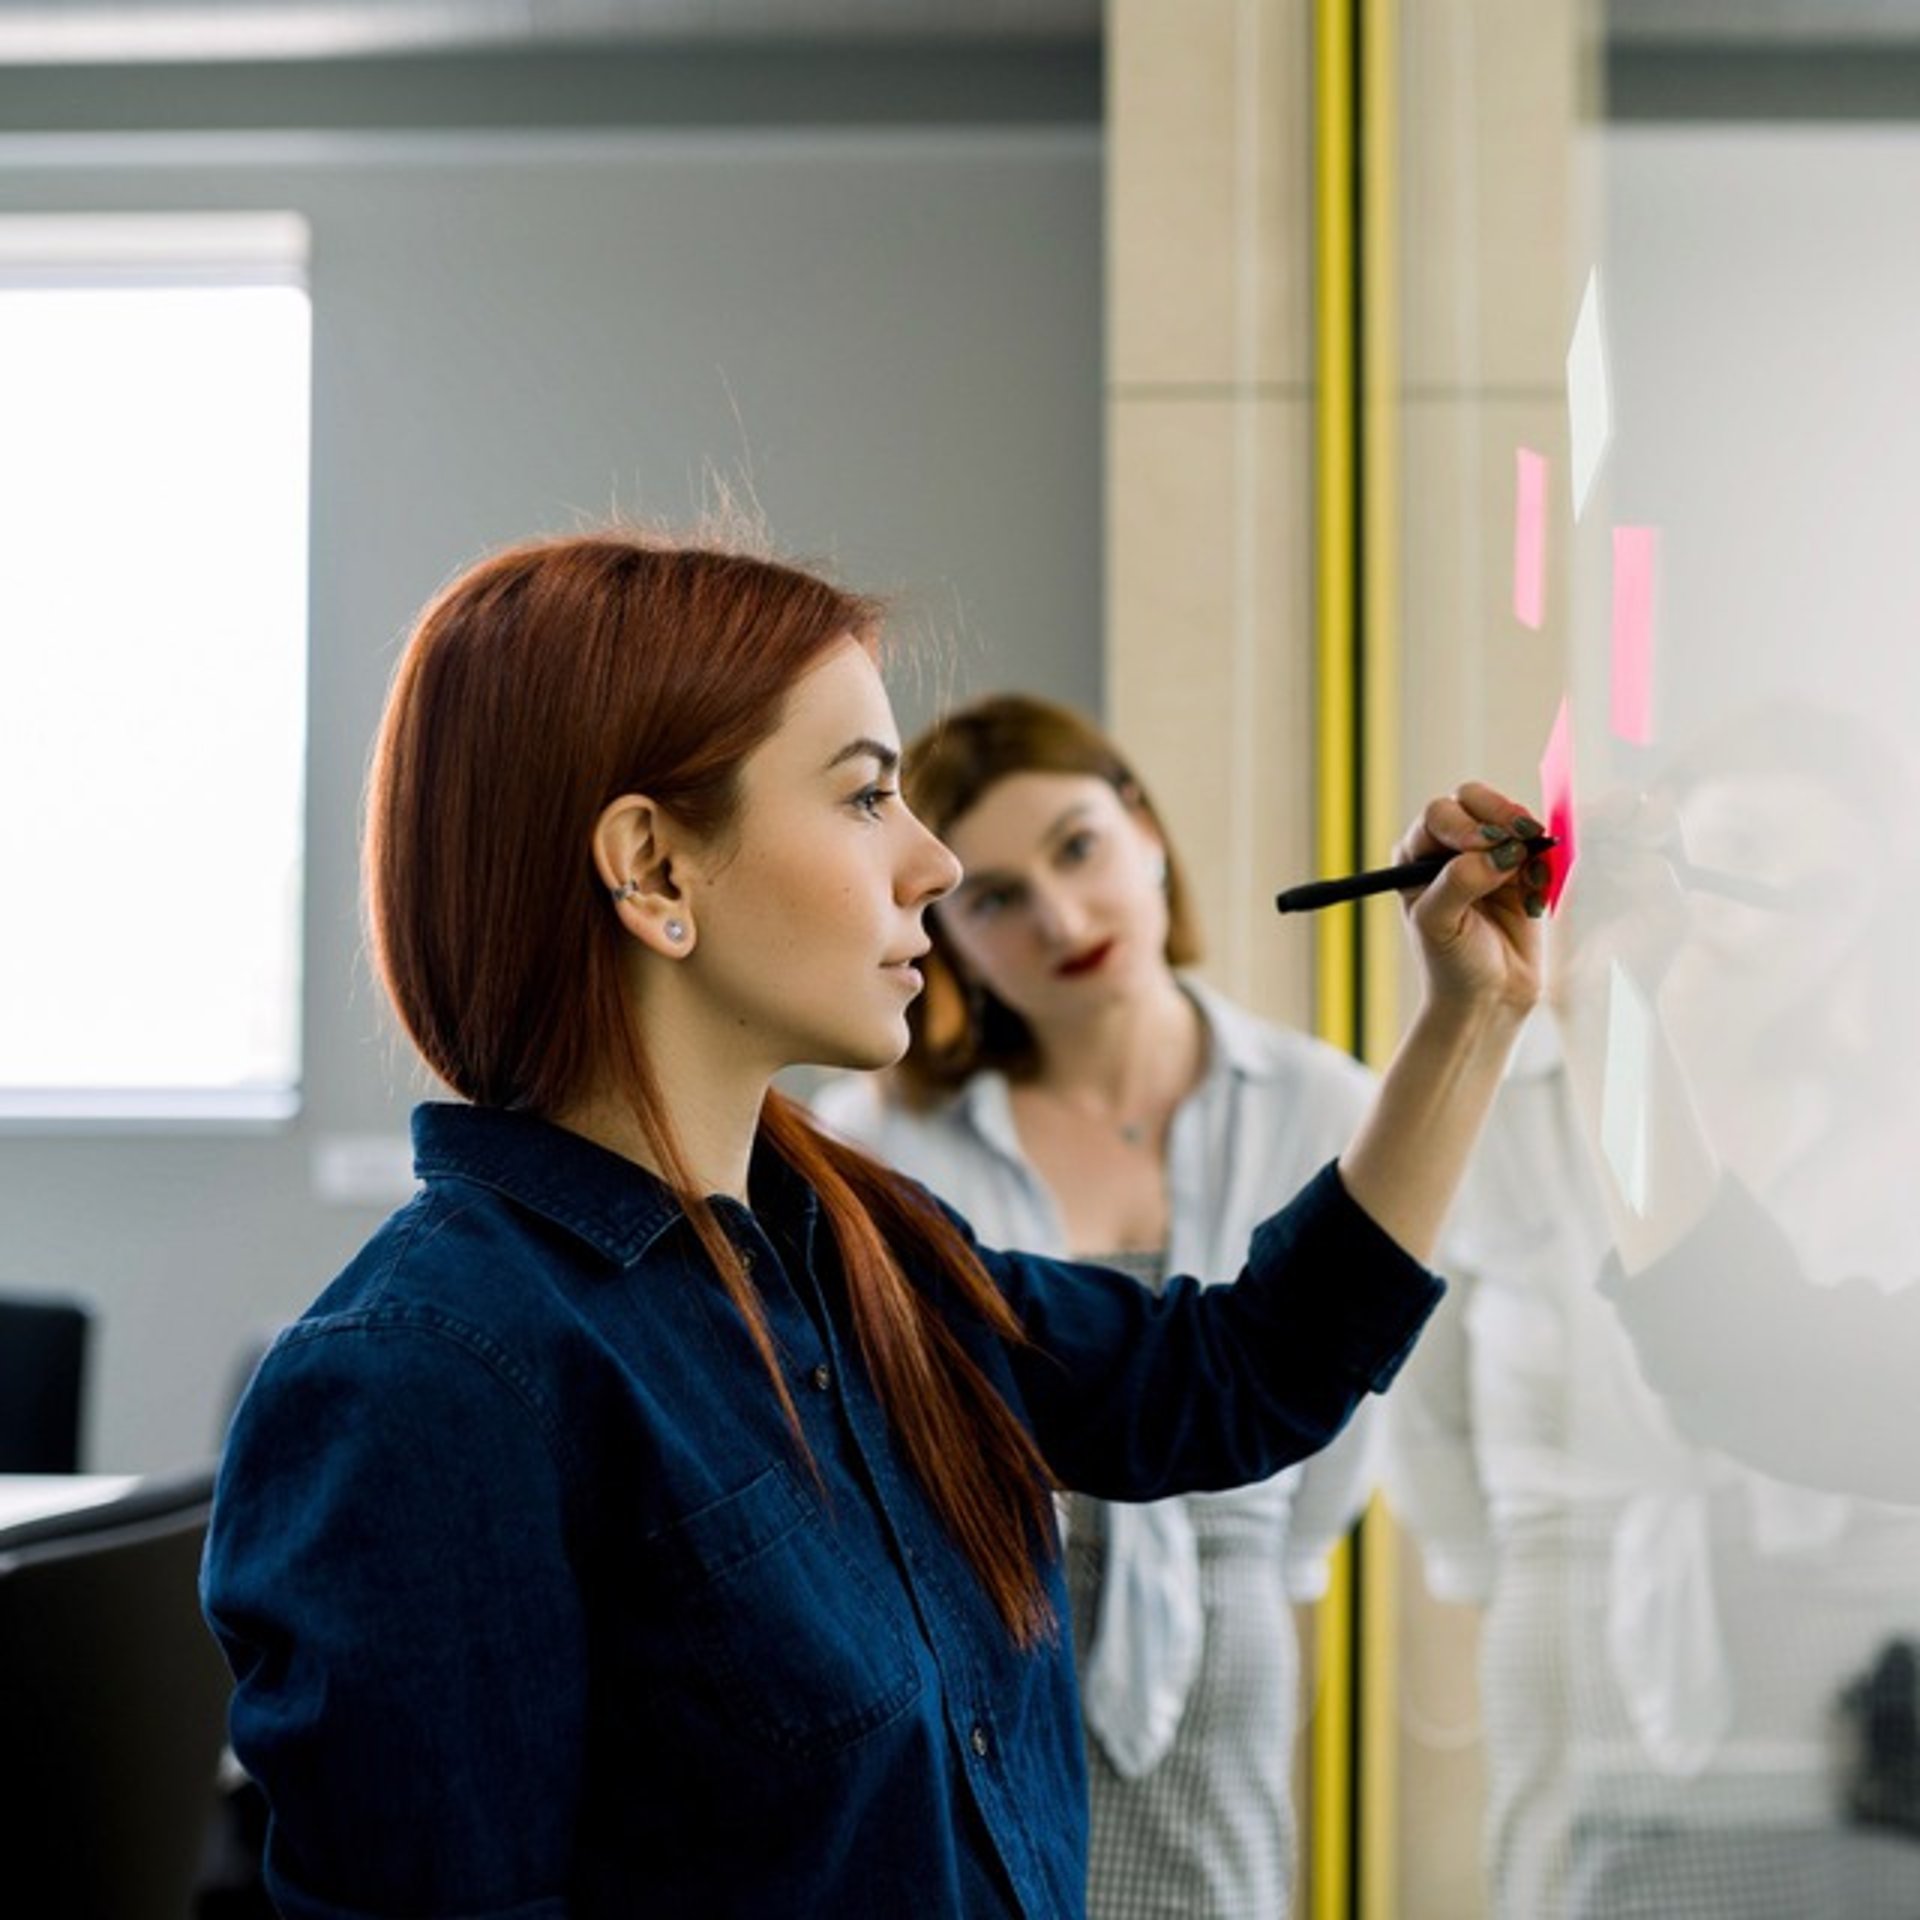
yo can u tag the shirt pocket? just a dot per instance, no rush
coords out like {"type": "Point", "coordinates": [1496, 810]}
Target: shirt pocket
{"type": "Point", "coordinates": [785, 1630]}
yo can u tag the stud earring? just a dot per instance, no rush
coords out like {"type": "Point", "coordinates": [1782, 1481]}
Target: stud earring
{"type": "Point", "coordinates": [675, 931]}
{"type": "Point", "coordinates": [627, 890]}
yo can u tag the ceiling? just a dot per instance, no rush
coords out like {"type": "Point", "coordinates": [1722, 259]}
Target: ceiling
{"type": "Point", "coordinates": [114, 32]}
{"type": "Point", "coordinates": [82, 32]}
{"type": "Point", "coordinates": [1760, 23]}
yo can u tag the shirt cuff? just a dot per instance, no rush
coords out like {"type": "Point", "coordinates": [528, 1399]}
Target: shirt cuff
{"type": "Point", "coordinates": [1460, 1576]}
{"type": "Point", "coordinates": [1307, 1576]}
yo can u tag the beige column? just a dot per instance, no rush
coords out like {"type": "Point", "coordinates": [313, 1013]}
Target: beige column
{"type": "Point", "coordinates": [1210, 613]}
{"type": "Point", "coordinates": [1491, 273]}
{"type": "Point", "coordinates": [1210, 515]}
{"type": "Point", "coordinates": [1491, 266]}
{"type": "Point", "coordinates": [1209, 641]}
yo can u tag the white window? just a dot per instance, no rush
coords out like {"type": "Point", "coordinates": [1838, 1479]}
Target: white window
{"type": "Point", "coordinates": [154, 382]}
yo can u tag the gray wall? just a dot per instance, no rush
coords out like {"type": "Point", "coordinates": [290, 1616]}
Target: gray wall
{"type": "Point", "coordinates": [892, 333]}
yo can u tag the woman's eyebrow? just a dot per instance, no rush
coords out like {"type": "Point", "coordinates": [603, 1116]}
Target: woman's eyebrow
{"type": "Point", "coordinates": [864, 748]}
{"type": "Point", "coordinates": [1070, 817]}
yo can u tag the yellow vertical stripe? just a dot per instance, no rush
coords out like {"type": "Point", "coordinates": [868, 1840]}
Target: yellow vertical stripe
{"type": "Point", "coordinates": [1357, 622]}
{"type": "Point", "coordinates": [1334, 454]}
{"type": "Point", "coordinates": [1330, 1889]}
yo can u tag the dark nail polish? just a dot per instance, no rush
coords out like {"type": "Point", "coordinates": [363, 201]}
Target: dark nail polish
{"type": "Point", "coordinates": [1508, 855]}
{"type": "Point", "coordinates": [1537, 873]}
{"type": "Point", "coordinates": [1536, 906]}
{"type": "Point", "coordinates": [1528, 828]}
{"type": "Point", "coordinates": [1488, 831]}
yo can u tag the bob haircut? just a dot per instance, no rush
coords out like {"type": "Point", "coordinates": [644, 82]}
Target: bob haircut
{"type": "Point", "coordinates": [958, 1027]}
{"type": "Point", "coordinates": [540, 686]}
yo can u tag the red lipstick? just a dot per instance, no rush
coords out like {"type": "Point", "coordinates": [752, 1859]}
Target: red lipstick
{"type": "Point", "coordinates": [1084, 963]}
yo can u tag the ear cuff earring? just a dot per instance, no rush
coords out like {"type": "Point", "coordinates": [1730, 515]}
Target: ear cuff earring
{"type": "Point", "coordinates": [675, 930]}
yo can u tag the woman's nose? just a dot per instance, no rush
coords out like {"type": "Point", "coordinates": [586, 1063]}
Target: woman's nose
{"type": "Point", "coordinates": [1057, 917]}
{"type": "Point", "coordinates": [931, 872]}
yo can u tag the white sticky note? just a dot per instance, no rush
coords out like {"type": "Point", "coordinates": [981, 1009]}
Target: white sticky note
{"type": "Point", "coordinates": [1625, 1123]}
{"type": "Point", "coordinates": [1589, 398]}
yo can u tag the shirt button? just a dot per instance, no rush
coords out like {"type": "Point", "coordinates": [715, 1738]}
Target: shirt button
{"type": "Point", "coordinates": [978, 1741]}
{"type": "Point", "coordinates": [823, 1376]}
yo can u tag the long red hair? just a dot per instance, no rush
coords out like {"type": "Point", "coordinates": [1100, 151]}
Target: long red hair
{"type": "Point", "coordinates": [539, 686]}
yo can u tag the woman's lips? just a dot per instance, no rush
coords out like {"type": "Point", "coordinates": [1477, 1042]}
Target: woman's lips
{"type": "Point", "coordinates": [1084, 963]}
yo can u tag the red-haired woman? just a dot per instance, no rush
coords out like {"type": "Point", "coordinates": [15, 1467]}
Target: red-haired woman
{"type": "Point", "coordinates": [656, 1517]}
{"type": "Point", "coordinates": [1072, 1091]}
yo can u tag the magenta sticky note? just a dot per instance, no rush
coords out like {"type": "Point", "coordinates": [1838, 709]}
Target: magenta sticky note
{"type": "Point", "coordinates": [1556, 796]}
{"type": "Point", "coordinates": [1529, 538]}
{"type": "Point", "coordinates": [1636, 560]}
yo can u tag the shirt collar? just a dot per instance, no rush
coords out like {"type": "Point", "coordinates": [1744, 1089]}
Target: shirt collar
{"type": "Point", "coordinates": [1236, 1041]}
{"type": "Point", "coordinates": [619, 1209]}
{"type": "Point", "coordinates": [984, 1104]}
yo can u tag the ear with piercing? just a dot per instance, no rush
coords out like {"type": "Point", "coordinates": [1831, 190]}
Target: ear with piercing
{"type": "Point", "coordinates": [674, 929]}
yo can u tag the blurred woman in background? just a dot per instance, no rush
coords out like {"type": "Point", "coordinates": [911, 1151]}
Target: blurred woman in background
{"type": "Point", "coordinates": [1072, 1091]}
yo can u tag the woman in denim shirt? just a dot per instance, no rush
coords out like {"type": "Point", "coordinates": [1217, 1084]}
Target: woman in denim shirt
{"type": "Point", "coordinates": [655, 1517]}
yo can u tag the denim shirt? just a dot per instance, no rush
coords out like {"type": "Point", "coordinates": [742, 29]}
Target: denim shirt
{"type": "Point", "coordinates": [1271, 1106]}
{"type": "Point", "coordinates": [535, 1610]}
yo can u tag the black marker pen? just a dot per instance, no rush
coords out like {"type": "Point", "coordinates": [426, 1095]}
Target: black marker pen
{"type": "Point", "coordinates": [1401, 879]}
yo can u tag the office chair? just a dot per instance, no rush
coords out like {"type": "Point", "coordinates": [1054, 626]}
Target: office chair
{"type": "Point", "coordinates": [113, 1703]}
{"type": "Point", "coordinates": [43, 1350]}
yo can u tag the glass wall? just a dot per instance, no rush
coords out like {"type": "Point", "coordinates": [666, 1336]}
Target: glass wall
{"type": "Point", "coordinates": [1645, 394]}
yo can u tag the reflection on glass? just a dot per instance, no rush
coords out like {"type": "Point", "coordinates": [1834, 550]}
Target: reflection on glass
{"type": "Point", "coordinates": [1670, 1634]}
{"type": "Point", "coordinates": [1664, 1441]}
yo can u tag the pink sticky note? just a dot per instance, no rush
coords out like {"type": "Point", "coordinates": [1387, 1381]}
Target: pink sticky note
{"type": "Point", "coordinates": [1529, 538]}
{"type": "Point", "coordinates": [1636, 553]}
{"type": "Point", "coordinates": [1556, 795]}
